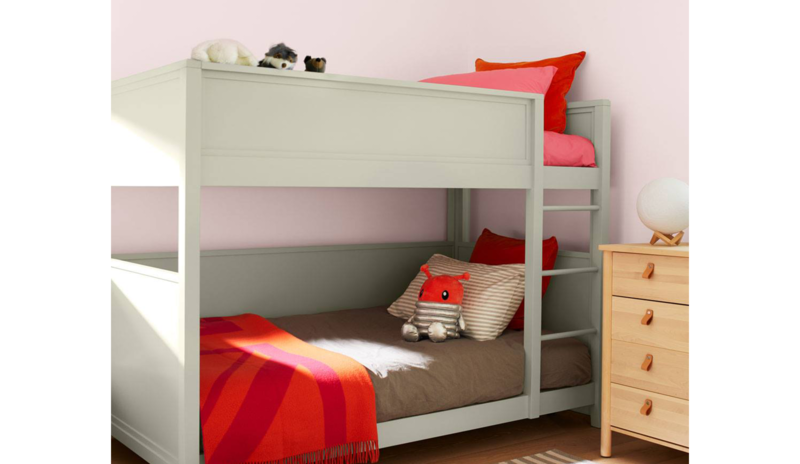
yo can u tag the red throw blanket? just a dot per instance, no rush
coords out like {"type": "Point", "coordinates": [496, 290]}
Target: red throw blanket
{"type": "Point", "coordinates": [268, 397]}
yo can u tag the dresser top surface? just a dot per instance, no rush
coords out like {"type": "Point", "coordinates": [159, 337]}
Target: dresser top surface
{"type": "Point", "coordinates": [681, 251]}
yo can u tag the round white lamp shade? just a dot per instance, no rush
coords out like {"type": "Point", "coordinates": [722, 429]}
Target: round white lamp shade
{"type": "Point", "coordinates": [663, 205]}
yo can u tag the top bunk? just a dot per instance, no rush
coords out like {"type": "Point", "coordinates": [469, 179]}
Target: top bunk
{"type": "Point", "coordinates": [228, 125]}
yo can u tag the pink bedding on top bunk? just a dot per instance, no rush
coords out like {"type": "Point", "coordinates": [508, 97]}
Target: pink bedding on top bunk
{"type": "Point", "coordinates": [568, 150]}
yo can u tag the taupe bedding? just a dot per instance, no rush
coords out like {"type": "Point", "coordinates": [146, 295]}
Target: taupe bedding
{"type": "Point", "coordinates": [424, 377]}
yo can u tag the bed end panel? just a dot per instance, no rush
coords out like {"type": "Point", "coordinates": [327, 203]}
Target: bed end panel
{"type": "Point", "coordinates": [145, 368]}
{"type": "Point", "coordinates": [147, 126]}
{"type": "Point", "coordinates": [275, 282]}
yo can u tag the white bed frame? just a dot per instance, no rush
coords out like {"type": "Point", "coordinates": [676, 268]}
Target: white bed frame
{"type": "Point", "coordinates": [194, 125]}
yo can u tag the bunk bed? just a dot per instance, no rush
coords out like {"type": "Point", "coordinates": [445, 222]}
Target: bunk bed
{"type": "Point", "coordinates": [194, 125]}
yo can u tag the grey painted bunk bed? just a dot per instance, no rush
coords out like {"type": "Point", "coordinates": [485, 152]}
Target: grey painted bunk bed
{"type": "Point", "coordinates": [193, 124]}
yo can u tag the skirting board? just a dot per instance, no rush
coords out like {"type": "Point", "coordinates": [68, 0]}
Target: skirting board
{"type": "Point", "coordinates": [140, 444]}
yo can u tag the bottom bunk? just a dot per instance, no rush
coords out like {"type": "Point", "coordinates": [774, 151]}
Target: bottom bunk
{"type": "Point", "coordinates": [421, 389]}
{"type": "Point", "coordinates": [465, 384]}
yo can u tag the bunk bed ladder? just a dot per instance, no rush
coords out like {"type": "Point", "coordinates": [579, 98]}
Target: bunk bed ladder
{"type": "Point", "coordinates": [458, 233]}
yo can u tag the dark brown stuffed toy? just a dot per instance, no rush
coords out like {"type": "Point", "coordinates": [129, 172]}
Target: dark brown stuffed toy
{"type": "Point", "coordinates": [315, 64]}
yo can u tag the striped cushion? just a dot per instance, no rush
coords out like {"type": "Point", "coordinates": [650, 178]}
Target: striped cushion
{"type": "Point", "coordinates": [491, 295]}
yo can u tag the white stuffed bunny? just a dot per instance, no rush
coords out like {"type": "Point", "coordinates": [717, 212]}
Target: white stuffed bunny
{"type": "Point", "coordinates": [224, 51]}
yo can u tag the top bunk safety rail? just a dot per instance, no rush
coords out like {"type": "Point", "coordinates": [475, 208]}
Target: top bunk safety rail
{"type": "Point", "coordinates": [241, 126]}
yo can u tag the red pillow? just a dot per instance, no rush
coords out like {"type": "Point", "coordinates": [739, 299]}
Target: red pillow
{"type": "Point", "coordinates": [496, 249]}
{"type": "Point", "coordinates": [555, 103]}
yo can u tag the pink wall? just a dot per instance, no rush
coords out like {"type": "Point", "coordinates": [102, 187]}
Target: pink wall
{"type": "Point", "coordinates": [146, 219]}
{"type": "Point", "coordinates": [637, 56]}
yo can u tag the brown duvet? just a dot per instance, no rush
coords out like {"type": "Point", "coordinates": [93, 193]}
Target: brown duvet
{"type": "Point", "coordinates": [424, 377]}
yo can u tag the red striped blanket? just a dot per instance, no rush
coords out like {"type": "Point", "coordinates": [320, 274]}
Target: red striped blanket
{"type": "Point", "coordinates": [268, 397]}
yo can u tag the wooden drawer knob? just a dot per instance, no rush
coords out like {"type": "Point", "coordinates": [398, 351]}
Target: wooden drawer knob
{"type": "Point", "coordinates": [648, 362]}
{"type": "Point", "coordinates": [647, 408]}
{"type": "Point", "coordinates": [648, 317]}
{"type": "Point", "coordinates": [648, 271]}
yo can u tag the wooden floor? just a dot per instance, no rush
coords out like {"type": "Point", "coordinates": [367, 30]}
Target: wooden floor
{"type": "Point", "coordinates": [567, 431]}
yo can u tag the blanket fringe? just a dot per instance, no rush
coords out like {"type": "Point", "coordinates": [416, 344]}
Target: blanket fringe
{"type": "Point", "coordinates": [348, 453]}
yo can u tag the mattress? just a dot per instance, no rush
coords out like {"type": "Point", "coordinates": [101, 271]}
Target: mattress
{"type": "Point", "coordinates": [424, 377]}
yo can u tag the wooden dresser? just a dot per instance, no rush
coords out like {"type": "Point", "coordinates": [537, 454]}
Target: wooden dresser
{"type": "Point", "coordinates": [646, 344]}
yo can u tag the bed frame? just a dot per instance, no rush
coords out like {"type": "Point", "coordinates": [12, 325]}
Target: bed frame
{"type": "Point", "coordinates": [194, 125]}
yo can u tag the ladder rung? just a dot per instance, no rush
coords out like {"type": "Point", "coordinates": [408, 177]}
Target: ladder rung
{"type": "Point", "coordinates": [572, 208]}
{"type": "Point", "coordinates": [568, 271]}
{"type": "Point", "coordinates": [571, 333]}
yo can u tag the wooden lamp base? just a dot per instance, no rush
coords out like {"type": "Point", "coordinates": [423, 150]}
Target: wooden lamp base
{"type": "Point", "coordinates": [669, 239]}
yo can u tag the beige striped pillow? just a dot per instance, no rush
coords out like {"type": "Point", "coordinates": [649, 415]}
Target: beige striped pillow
{"type": "Point", "coordinates": [491, 295]}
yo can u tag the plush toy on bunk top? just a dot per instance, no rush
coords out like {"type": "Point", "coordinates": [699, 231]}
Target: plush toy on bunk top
{"type": "Point", "coordinates": [279, 57]}
{"type": "Point", "coordinates": [438, 313]}
{"type": "Point", "coordinates": [224, 51]}
{"type": "Point", "coordinates": [316, 65]}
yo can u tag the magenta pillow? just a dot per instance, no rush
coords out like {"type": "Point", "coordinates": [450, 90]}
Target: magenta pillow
{"type": "Point", "coordinates": [567, 150]}
{"type": "Point", "coordinates": [533, 80]}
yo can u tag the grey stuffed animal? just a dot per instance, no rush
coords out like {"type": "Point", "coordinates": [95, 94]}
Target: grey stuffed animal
{"type": "Point", "coordinates": [279, 57]}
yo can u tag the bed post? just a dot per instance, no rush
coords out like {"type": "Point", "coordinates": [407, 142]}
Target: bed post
{"type": "Point", "coordinates": [458, 211]}
{"type": "Point", "coordinates": [451, 220]}
{"type": "Point", "coordinates": [464, 208]}
{"type": "Point", "coordinates": [599, 220]}
{"type": "Point", "coordinates": [534, 208]}
{"type": "Point", "coordinates": [189, 271]}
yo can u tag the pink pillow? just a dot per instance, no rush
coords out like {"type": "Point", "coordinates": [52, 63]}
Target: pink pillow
{"type": "Point", "coordinates": [567, 150]}
{"type": "Point", "coordinates": [533, 80]}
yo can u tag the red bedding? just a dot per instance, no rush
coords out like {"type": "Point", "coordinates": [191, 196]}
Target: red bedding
{"type": "Point", "coordinates": [268, 397]}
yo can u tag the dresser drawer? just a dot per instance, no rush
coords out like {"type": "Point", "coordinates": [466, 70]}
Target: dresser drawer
{"type": "Point", "coordinates": [666, 372]}
{"type": "Point", "coordinates": [669, 280]}
{"type": "Point", "coordinates": [668, 419]}
{"type": "Point", "coordinates": [665, 326]}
